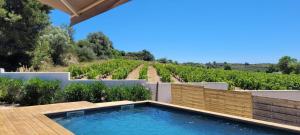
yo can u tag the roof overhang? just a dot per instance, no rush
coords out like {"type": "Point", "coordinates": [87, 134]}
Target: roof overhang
{"type": "Point", "coordinates": [81, 10]}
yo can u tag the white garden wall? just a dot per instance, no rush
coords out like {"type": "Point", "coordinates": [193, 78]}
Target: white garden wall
{"type": "Point", "coordinates": [64, 78]}
{"type": "Point", "coordinates": [279, 94]}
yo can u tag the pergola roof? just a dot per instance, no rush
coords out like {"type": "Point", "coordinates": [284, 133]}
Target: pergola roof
{"type": "Point", "coordinates": [81, 10]}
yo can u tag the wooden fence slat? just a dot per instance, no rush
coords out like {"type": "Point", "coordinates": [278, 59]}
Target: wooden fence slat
{"type": "Point", "coordinates": [276, 110]}
{"type": "Point", "coordinates": [228, 102]}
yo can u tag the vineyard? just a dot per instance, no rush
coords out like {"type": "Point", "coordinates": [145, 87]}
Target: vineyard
{"type": "Point", "coordinates": [242, 79]}
{"type": "Point", "coordinates": [119, 69]}
{"type": "Point", "coordinates": [143, 74]}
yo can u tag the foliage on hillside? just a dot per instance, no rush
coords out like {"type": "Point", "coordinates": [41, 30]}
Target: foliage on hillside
{"type": "Point", "coordinates": [143, 74]}
{"type": "Point", "coordinates": [239, 66]}
{"type": "Point", "coordinates": [242, 79]}
{"type": "Point", "coordinates": [163, 72]}
{"type": "Point", "coordinates": [118, 68]}
{"type": "Point", "coordinates": [28, 39]}
{"type": "Point", "coordinates": [141, 55]}
{"type": "Point", "coordinates": [54, 47]}
{"type": "Point", "coordinates": [124, 69]}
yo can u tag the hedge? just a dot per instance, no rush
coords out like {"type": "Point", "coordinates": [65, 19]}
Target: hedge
{"type": "Point", "coordinates": [38, 92]}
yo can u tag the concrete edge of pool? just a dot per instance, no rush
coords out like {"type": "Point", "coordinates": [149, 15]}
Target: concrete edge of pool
{"type": "Point", "coordinates": [214, 114]}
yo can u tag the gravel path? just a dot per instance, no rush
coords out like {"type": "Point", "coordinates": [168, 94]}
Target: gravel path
{"type": "Point", "coordinates": [174, 80]}
{"type": "Point", "coordinates": [134, 75]}
{"type": "Point", "coordinates": [152, 75]}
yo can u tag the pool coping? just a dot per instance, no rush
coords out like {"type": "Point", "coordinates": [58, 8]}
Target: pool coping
{"type": "Point", "coordinates": [284, 127]}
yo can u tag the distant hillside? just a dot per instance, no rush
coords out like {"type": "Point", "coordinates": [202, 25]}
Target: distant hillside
{"type": "Point", "coordinates": [251, 67]}
{"type": "Point", "coordinates": [262, 67]}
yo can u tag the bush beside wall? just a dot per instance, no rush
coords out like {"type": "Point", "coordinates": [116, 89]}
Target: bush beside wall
{"type": "Point", "coordinates": [131, 93]}
{"type": "Point", "coordinates": [10, 90]}
{"type": "Point", "coordinates": [38, 92]}
{"type": "Point", "coordinates": [93, 92]}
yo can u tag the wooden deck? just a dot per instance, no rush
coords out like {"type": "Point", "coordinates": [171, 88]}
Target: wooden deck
{"type": "Point", "coordinates": [32, 121]}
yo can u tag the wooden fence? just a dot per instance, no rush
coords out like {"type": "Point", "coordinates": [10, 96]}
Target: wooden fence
{"type": "Point", "coordinates": [222, 101]}
{"type": "Point", "coordinates": [276, 110]}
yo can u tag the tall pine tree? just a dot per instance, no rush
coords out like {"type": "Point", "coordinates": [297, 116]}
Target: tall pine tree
{"type": "Point", "coordinates": [21, 21]}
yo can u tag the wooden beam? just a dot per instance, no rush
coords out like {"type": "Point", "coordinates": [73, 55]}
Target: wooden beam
{"type": "Point", "coordinates": [90, 6]}
{"type": "Point", "coordinates": [69, 6]}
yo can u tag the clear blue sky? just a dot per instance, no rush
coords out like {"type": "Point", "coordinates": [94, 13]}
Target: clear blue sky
{"type": "Point", "coordinates": [255, 31]}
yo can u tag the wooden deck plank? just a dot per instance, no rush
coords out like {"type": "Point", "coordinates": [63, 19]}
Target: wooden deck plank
{"type": "Point", "coordinates": [39, 125]}
{"type": "Point", "coordinates": [54, 126]}
{"type": "Point", "coordinates": [32, 121]}
{"type": "Point", "coordinates": [4, 125]}
{"type": "Point", "coordinates": [21, 126]}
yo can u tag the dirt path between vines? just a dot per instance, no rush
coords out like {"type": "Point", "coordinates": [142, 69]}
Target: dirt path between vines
{"type": "Point", "coordinates": [134, 75]}
{"type": "Point", "coordinates": [152, 75]}
{"type": "Point", "coordinates": [108, 77]}
{"type": "Point", "coordinates": [174, 80]}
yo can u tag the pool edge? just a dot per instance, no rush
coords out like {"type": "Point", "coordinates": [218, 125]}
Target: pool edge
{"type": "Point", "coordinates": [284, 127]}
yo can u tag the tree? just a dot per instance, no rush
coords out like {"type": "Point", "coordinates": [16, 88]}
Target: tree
{"type": "Point", "coordinates": [141, 55]}
{"type": "Point", "coordinates": [147, 56]}
{"type": "Point", "coordinates": [60, 44]}
{"type": "Point", "coordinates": [227, 66]}
{"type": "Point", "coordinates": [101, 45]}
{"type": "Point", "coordinates": [163, 60]}
{"type": "Point", "coordinates": [54, 46]}
{"type": "Point", "coordinates": [85, 51]}
{"type": "Point", "coordinates": [214, 64]}
{"type": "Point", "coordinates": [70, 30]}
{"type": "Point", "coordinates": [285, 64]}
{"type": "Point", "coordinates": [85, 54]}
{"type": "Point", "coordinates": [21, 22]}
{"type": "Point", "coordinates": [272, 68]}
{"type": "Point", "coordinates": [296, 68]}
{"type": "Point", "coordinates": [42, 56]}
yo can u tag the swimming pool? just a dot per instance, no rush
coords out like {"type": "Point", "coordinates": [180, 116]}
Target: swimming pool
{"type": "Point", "coordinates": [153, 119]}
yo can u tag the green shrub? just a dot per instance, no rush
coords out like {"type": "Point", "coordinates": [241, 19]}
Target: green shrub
{"type": "Point", "coordinates": [98, 92]}
{"type": "Point", "coordinates": [139, 93]}
{"type": "Point", "coordinates": [75, 70]}
{"type": "Point", "coordinates": [59, 97]}
{"type": "Point", "coordinates": [85, 54]}
{"type": "Point", "coordinates": [117, 94]}
{"type": "Point", "coordinates": [132, 93]}
{"type": "Point", "coordinates": [92, 92]}
{"type": "Point", "coordinates": [10, 90]}
{"type": "Point", "coordinates": [76, 92]}
{"type": "Point", "coordinates": [38, 92]}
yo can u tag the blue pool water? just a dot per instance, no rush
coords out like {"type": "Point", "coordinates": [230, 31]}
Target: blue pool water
{"type": "Point", "coordinates": [151, 120]}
